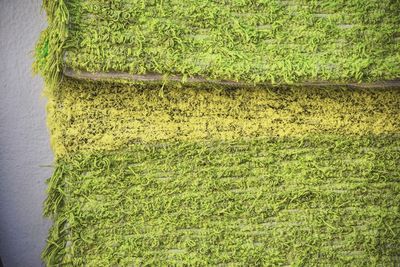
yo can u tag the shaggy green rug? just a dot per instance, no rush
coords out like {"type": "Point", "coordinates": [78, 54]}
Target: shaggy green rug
{"type": "Point", "coordinates": [223, 133]}
{"type": "Point", "coordinates": [253, 41]}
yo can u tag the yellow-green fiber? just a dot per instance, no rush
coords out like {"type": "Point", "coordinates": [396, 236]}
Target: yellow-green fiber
{"type": "Point", "coordinates": [257, 173]}
{"type": "Point", "coordinates": [315, 201]}
{"type": "Point", "coordinates": [93, 116]}
{"type": "Point", "coordinates": [272, 41]}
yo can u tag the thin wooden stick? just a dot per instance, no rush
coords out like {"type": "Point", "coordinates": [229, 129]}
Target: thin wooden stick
{"type": "Point", "coordinates": [107, 76]}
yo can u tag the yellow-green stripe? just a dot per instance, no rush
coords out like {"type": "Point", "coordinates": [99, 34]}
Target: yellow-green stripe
{"type": "Point", "coordinates": [86, 116]}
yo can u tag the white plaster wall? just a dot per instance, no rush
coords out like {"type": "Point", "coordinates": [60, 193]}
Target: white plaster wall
{"type": "Point", "coordinates": [24, 140]}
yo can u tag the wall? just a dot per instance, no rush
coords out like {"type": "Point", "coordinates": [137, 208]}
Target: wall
{"type": "Point", "coordinates": [24, 141]}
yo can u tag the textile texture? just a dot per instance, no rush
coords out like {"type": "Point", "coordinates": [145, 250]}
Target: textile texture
{"type": "Point", "coordinates": [275, 170]}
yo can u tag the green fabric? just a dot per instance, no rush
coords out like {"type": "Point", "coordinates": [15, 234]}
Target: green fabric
{"type": "Point", "coordinates": [321, 200]}
{"type": "Point", "coordinates": [182, 174]}
{"type": "Point", "coordinates": [269, 41]}
{"type": "Point", "coordinates": [152, 175]}
{"type": "Point", "coordinates": [89, 116]}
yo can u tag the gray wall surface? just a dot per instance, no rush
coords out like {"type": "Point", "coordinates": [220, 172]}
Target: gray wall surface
{"type": "Point", "coordinates": [24, 140]}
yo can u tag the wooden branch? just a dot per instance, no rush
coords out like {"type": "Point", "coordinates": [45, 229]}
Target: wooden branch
{"type": "Point", "coordinates": [110, 76]}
